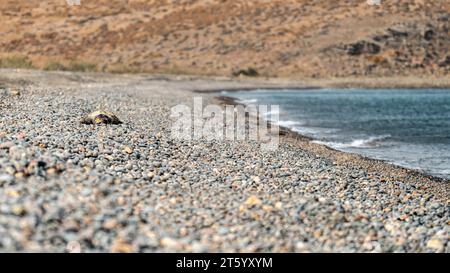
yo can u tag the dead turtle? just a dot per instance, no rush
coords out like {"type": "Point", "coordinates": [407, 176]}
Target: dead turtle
{"type": "Point", "coordinates": [100, 117]}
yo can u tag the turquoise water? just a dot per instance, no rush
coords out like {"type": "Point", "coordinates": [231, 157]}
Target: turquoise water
{"type": "Point", "coordinates": [410, 128]}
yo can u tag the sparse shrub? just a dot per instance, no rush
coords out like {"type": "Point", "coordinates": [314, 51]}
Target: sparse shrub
{"type": "Point", "coordinates": [71, 66]}
{"type": "Point", "coordinates": [175, 70]}
{"type": "Point", "coordinates": [55, 66]}
{"type": "Point", "coordinates": [122, 69]}
{"type": "Point", "coordinates": [16, 62]}
{"type": "Point", "coordinates": [376, 59]}
{"type": "Point", "coordinates": [82, 67]}
{"type": "Point", "coordinates": [249, 72]}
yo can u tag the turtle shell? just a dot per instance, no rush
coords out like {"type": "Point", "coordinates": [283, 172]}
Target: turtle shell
{"type": "Point", "coordinates": [100, 117]}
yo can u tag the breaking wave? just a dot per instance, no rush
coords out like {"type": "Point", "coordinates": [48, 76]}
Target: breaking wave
{"type": "Point", "coordinates": [370, 142]}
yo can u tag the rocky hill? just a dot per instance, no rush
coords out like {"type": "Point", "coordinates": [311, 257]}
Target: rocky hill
{"type": "Point", "coordinates": [289, 38]}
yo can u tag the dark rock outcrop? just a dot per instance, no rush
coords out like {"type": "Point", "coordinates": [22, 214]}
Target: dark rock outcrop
{"type": "Point", "coordinates": [363, 47]}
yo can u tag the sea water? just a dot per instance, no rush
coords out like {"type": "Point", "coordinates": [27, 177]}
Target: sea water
{"type": "Point", "coordinates": [407, 127]}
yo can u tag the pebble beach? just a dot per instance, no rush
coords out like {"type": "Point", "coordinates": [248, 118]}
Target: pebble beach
{"type": "Point", "coordinates": [132, 188]}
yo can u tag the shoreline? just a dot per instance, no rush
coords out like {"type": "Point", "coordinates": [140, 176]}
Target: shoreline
{"type": "Point", "coordinates": [214, 85]}
{"type": "Point", "coordinates": [251, 83]}
{"type": "Point", "coordinates": [233, 84]}
{"type": "Point", "coordinates": [394, 171]}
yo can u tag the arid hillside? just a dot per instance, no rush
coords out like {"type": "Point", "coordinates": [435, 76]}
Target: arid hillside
{"type": "Point", "coordinates": [289, 38]}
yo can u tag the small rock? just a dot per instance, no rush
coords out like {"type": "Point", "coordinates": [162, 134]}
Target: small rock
{"type": "Point", "coordinates": [171, 243]}
{"type": "Point", "coordinates": [256, 179]}
{"type": "Point", "coordinates": [121, 246]}
{"type": "Point", "coordinates": [300, 247]}
{"type": "Point", "coordinates": [15, 92]}
{"type": "Point", "coordinates": [253, 201]}
{"type": "Point", "coordinates": [128, 150]}
{"type": "Point", "coordinates": [435, 244]}
{"type": "Point", "coordinates": [279, 205]}
{"type": "Point", "coordinates": [6, 178]}
{"type": "Point", "coordinates": [198, 247]}
{"type": "Point", "coordinates": [109, 157]}
{"type": "Point", "coordinates": [110, 224]}
{"type": "Point", "coordinates": [73, 247]}
{"type": "Point", "coordinates": [6, 145]}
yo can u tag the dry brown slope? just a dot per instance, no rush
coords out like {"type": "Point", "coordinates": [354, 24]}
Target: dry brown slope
{"type": "Point", "coordinates": [276, 37]}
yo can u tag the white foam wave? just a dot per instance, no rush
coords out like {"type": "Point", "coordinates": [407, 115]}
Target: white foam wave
{"type": "Point", "coordinates": [248, 101]}
{"type": "Point", "coordinates": [288, 123]}
{"type": "Point", "coordinates": [370, 142]}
